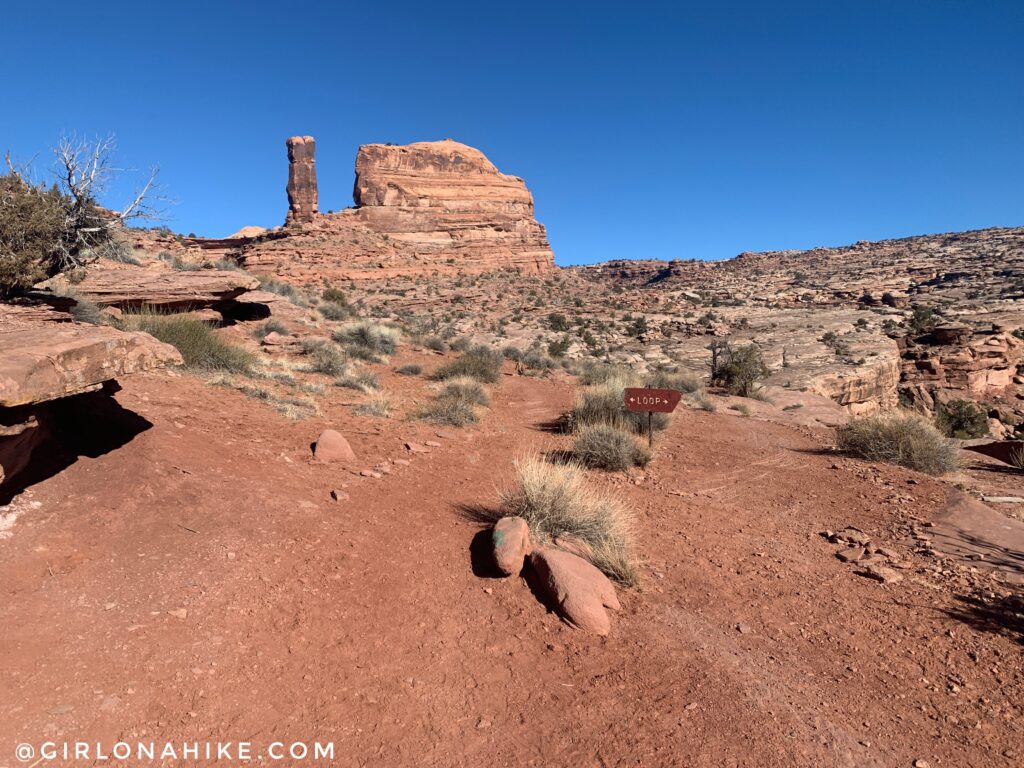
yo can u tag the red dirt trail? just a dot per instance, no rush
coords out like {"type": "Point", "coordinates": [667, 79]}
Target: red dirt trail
{"type": "Point", "coordinates": [362, 622]}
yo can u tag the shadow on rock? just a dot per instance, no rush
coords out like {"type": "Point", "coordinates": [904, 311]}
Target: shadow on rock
{"type": "Point", "coordinates": [1002, 615]}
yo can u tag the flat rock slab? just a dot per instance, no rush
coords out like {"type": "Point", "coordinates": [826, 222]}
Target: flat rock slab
{"type": "Point", "coordinates": [44, 361]}
{"type": "Point", "coordinates": [1001, 450]}
{"type": "Point", "coordinates": [146, 286]}
{"type": "Point", "coordinates": [966, 528]}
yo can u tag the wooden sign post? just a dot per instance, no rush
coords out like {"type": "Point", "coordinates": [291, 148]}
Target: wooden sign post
{"type": "Point", "coordinates": [651, 401]}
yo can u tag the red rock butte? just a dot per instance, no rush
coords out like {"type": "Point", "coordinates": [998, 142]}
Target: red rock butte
{"type": "Point", "coordinates": [432, 206]}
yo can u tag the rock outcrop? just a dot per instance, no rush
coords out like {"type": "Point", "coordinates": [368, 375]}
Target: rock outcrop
{"type": "Point", "coordinates": [47, 359]}
{"type": "Point", "coordinates": [154, 287]}
{"type": "Point", "coordinates": [302, 189]}
{"type": "Point", "coordinates": [428, 207]}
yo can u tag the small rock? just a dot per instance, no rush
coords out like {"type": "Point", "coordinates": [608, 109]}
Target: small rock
{"type": "Point", "coordinates": [370, 473]}
{"type": "Point", "coordinates": [401, 462]}
{"type": "Point", "coordinates": [851, 535]}
{"type": "Point", "coordinates": [511, 542]}
{"type": "Point", "coordinates": [179, 613]}
{"type": "Point", "coordinates": [919, 763]}
{"type": "Point", "coordinates": [743, 629]}
{"type": "Point", "coordinates": [579, 590]}
{"type": "Point", "coordinates": [339, 495]}
{"type": "Point", "coordinates": [331, 446]}
{"type": "Point", "coordinates": [851, 555]}
{"type": "Point", "coordinates": [416, 448]}
{"type": "Point", "coordinates": [880, 573]}
{"type": "Point", "coordinates": [432, 443]}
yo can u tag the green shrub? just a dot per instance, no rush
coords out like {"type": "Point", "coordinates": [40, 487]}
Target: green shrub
{"type": "Point", "coordinates": [961, 418]}
{"type": "Point", "coordinates": [32, 233]}
{"type": "Point", "coordinates": [738, 369]}
{"type": "Point", "coordinates": [409, 370]}
{"type": "Point", "coordinates": [368, 340]}
{"type": "Point", "coordinates": [196, 340]}
{"type": "Point", "coordinates": [602, 446]}
{"type": "Point", "coordinates": [480, 363]}
{"type": "Point", "coordinates": [556, 501]}
{"type": "Point", "coordinates": [900, 438]}
{"type": "Point", "coordinates": [334, 296]}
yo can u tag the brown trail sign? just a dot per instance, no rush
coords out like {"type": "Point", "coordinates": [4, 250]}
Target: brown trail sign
{"type": "Point", "coordinates": [651, 401]}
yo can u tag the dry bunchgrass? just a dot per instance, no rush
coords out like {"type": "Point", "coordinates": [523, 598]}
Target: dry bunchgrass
{"type": "Point", "coordinates": [900, 438]}
{"type": "Point", "coordinates": [1017, 457]}
{"type": "Point", "coordinates": [378, 405]}
{"type": "Point", "coordinates": [601, 446]}
{"type": "Point", "coordinates": [556, 500]}
{"type": "Point", "coordinates": [195, 339]}
{"type": "Point", "coordinates": [465, 388]}
{"type": "Point", "coordinates": [480, 363]}
{"type": "Point", "coordinates": [604, 404]}
{"type": "Point", "coordinates": [368, 340]}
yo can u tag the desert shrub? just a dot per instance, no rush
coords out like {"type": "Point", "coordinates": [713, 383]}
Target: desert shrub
{"type": "Point", "coordinates": [177, 263]}
{"type": "Point", "coordinates": [262, 330]}
{"type": "Point", "coordinates": [512, 353]}
{"type": "Point", "coordinates": [738, 369]}
{"type": "Point", "coordinates": [368, 340]}
{"type": "Point", "coordinates": [195, 339]}
{"type": "Point", "coordinates": [227, 264]}
{"type": "Point", "coordinates": [480, 363]}
{"type": "Point", "coordinates": [600, 373]}
{"type": "Point", "coordinates": [378, 405]}
{"type": "Point", "coordinates": [450, 410]}
{"type": "Point", "coordinates": [465, 388]}
{"type": "Point", "coordinates": [119, 251]}
{"type": "Point", "coordinates": [461, 344]}
{"type": "Point", "coordinates": [32, 233]}
{"type": "Point", "coordinates": [364, 381]}
{"type": "Point", "coordinates": [325, 358]}
{"type": "Point", "coordinates": [331, 311]}
{"type": "Point", "coordinates": [559, 347]}
{"type": "Point", "coordinates": [900, 438]}
{"type": "Point", "coordinates": [602, 446]}
{"type": "Point", "coordinates": [435, 343]}
{"type": "Point", "coordinates": [961, 418]}
{"type": "Point", "coordinates": [537, 361]}
{"type": "Point", "coordinates": [604, 404]}
{"type": "Point", "coordinates": [334, 296]}
{"type": "Point", "coordinates": [687, 383]}
{"type": "Point", "coordinates": [281, 288]}
{"type": "Point", "coordinates": [409, 370]}
{"type": "Point", "coordinates": [555, 500]}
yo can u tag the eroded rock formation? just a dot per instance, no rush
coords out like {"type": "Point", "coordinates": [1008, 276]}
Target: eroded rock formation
{"type": "Point", "coordinates": [437, 206]}
{"type": "Point", "coordinates": [302, 189]}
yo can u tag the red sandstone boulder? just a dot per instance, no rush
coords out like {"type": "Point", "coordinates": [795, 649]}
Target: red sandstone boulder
{"type": "Point", "coordinates": [511, 541]}
{"type": "Point", "coordinates": [331, 446]}
{"type": "Point", "coordinates": [578, 589]}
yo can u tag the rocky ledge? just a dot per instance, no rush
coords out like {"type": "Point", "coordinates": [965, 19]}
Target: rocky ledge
{"type": "Point", "coordinates": [46, 359]}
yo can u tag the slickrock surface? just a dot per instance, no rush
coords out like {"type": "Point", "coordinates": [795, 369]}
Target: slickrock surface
{"type": "Point", "coordinates": [302, 188]}
{"type": "Point", "coordinates": [155, 287]}
{"type": "Point", "coordinates": [428, 207]}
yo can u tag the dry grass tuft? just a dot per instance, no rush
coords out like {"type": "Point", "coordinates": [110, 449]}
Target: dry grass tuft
{"type": "Point", "coordinates": [601, 446]}
{"type": "Point", "coordinates": [480, 363]}
{"type": "Point", "coordinates": [198, 342]}
{"type": "Point", "coordinates": [900, 438]}
{"type": "Point", "coordinates": [555, 500]}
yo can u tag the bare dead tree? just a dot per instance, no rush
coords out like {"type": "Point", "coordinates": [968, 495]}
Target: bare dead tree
{"type": "Point", "coordinates": [84, 170]}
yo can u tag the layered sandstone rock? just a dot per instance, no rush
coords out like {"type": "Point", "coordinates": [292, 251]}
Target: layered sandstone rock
{"type": "Point", "coordinates": [302, 188]}
{"type": "Point", "coordinates": [46, 359]}
{"type": "Point", "coordinates": [115, 286]}
{"type": "Point", "coordinates": [428, 207]}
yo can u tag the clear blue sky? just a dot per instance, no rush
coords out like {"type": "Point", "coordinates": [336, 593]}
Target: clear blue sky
{"type": "Point", "coordinates": [644, 130]}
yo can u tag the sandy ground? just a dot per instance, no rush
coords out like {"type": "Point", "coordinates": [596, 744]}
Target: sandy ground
{"type": "Point", "coordinates": [199, 584]}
